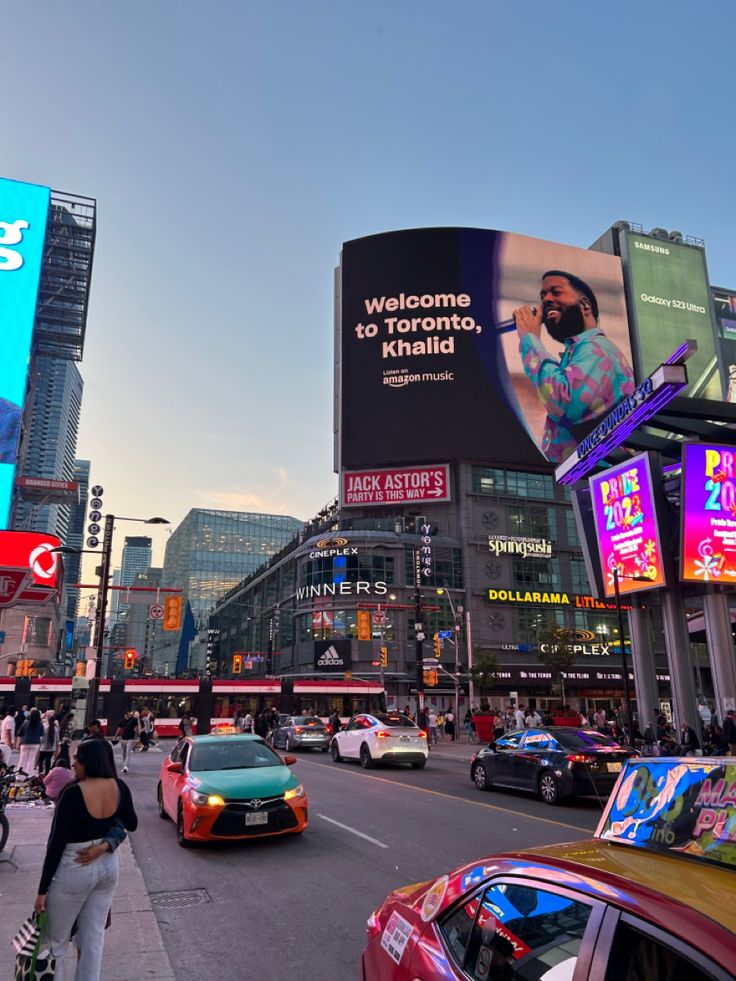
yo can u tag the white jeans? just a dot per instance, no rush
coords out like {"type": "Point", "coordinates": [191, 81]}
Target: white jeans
{"type": "Point", "coordinates": [82, 892]}
{"type": "Point", "coordinates": [27, 759]}
{"type": "Point", "coordinates": [127, 745]}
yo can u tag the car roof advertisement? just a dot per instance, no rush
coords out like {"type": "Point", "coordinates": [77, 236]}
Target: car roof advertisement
{"type": "Point", "coordinates": [679, 806]}
{"type": "Point", "coordinates": [474, 344]}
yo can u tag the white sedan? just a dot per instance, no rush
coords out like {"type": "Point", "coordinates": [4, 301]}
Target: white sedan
{"type": "Point", "coordinates": [381, 738]}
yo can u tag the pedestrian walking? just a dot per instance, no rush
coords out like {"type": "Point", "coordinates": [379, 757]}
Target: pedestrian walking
{"type": "Point", "coordinates": [147, 720]}
{"type": "Point", "coordinates": [127, 732]}
{"type": "Point", "coordinates": [80, 870]}
{"type": "Point", "coordinates": [186, 726]}
{"type": "Point", "coordinates": [729, 731]}
{"type": "Point", "coordinates": [450, 724]}
{"type": "Point", "coordinates": [260, 725]}
{"type": "Point", "coordinates": [49, 743]}
{"type": "Point", "coordinates": [470, 727]}
{"type": "Point", "coordinates": [335, 722]}
{"type": "Point", "coordinates": [7, 734]}
{"type": "Point", "coordinates": [66, 734]}
{"type": "Point", "coordinates": [29, 740]}
{"type": "Point", "coordinates": [441, 725]}
{"type": "Point", "coordinates": [433, 729]}
{"type": "Point", "coordinates": [519, 717]}
{"type": "Point", "coordinates": [248, 721]}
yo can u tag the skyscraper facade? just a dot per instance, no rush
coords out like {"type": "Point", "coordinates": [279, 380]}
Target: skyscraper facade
{"type": "Point", "coordinates": [211, 551]}
{"type": "Point", "coordinates": [75, 539]}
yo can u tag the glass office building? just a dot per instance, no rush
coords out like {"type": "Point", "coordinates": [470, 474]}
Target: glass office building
{"type": "Point", "coordinates": [211, 551]}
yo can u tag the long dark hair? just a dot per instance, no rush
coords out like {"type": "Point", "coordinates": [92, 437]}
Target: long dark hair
{"type": "Point", "coordinates": [34, 724]}
{"type": "Point", "coordinates": [95, 758]}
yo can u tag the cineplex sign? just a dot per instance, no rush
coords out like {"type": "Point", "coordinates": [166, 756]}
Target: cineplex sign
{"type": "Point", "coordinates": [400, 485]}
{"type": "Point", "coordinates": [578, 600]}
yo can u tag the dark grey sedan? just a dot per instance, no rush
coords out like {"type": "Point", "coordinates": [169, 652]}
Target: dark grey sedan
{"type": "Point", "coordinates": [302, 732]}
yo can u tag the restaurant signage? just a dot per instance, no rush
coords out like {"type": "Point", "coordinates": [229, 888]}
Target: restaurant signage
{"type": "Point", "coordinates": [527, 548]}
{"type": "Point", "coordinates": [399, 485]}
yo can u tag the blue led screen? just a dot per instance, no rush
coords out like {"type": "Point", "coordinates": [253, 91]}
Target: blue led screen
{"type": "Point", "coordinates": [23, 213]}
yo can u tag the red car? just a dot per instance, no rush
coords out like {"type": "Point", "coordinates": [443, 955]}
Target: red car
{"type": "Point", "coordinates": [651, 898]}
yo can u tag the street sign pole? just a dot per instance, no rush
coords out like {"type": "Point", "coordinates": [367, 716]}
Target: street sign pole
{"type": "Point", "coordinates": [419, 642]}
{"type": "Point", "coordinates": [94, 682]}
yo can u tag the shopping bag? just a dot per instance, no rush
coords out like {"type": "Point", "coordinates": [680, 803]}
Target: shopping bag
{"type": "Point", "coordinates": [33, 960]}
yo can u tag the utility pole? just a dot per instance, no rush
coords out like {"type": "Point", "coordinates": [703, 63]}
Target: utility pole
{"type": "Point", "coordinates": [102, 592]}
{"type": "Point", "coordinates": [419, 643]}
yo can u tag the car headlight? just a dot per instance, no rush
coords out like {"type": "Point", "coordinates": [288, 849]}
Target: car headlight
{"type": "Point", "coordinates": [206, 800]}
{"type": "Point", "coordinates": [294, 792]}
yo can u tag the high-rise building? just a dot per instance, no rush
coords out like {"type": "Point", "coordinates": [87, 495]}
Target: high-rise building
{"type": "Point", "coordinates": [51, 445]}
{"type": "Point", "coordinates": [210, 552]}
{"type": "Point", "coordinates": [75, 539]}
{"type": "Point", "coordinates": [136, 559]}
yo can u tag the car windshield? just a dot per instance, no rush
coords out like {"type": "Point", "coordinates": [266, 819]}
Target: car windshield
{"type": "Point", "coordinates": [584, 739]}
{"type": "Point", "coordinates": [233, 755]}
{"type": "Point", "coordinates": [395, 719]}
{"type": "Point", "coordinates": [307, 720]}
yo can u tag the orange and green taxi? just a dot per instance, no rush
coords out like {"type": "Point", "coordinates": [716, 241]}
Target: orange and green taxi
{"type": "Point", "coordinates": [229, 786]}
{"type": "Point", "coordinates": [651, 897]}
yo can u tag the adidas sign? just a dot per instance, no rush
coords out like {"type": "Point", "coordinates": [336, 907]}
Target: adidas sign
{"type": "Point", "coordinates": [330, 659]}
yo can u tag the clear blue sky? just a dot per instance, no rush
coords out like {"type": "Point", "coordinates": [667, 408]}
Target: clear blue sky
{"type": "Point", "coordinates": [233, 146]}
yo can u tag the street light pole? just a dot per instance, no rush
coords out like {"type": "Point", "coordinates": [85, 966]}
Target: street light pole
{"type": "Point", "coordinates": [627, 689]}
{"type": "Point", "coordinates": [456, 620]}
{"type": "Point", "coordinates": [419, 637]}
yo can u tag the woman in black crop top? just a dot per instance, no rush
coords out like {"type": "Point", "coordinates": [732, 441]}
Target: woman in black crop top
{"type": "Point", "coordinates": [72, 889]}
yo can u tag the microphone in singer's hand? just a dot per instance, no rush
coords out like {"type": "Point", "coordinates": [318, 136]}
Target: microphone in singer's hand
{"type": "Point", "coordinates": [508, 325]}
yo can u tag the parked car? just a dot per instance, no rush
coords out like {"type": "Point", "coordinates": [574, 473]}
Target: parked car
{"type": "Point", "coordinates": [302, 732]}
{"type": "Point", "coordinates": [381, 738]}
{"type": "Point", "coordinates": [649, 898]}
{"type": "Point", "coordinates": [554, 762]}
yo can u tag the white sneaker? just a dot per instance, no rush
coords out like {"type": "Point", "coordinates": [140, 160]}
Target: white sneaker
{"type": "Point", "coordinates": [125, 769]}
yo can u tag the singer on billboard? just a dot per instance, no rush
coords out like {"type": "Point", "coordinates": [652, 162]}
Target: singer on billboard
{"type": "Point", "coordinates": [589, 378]}
{"type": "Point", "coordinates": [9, 430]}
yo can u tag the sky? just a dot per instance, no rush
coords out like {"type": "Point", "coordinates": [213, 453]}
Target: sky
{"type": "Point", "coordinates": [233, 147]}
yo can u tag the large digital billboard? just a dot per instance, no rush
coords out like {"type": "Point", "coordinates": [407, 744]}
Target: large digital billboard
{"type": "Point", "coordinates": [627, 528]}
{"type": "Point", "coordinates": [23, 213]}
{"type": "Point", "coordinates": [708, 514]}
{"type": "Point", "coordinates": [471, 344]}
{"type": "Point", "coordinates": [670, 298]}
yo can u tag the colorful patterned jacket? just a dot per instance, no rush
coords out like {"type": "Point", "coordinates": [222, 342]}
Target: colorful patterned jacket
{"type": "Point", "coordinates": [591, 377]}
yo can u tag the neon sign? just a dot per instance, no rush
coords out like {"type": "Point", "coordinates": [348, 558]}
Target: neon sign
{"type": "Point", "coordinates": [626, 526]}
{"type": "Point", "coordinates": [708, 539]}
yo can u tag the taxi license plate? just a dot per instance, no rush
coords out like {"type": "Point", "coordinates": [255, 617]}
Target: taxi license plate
{"type": "Point", "coordinates": [259, 818]}
{"type": "Point", "coordinates": [405, 739]}
{"type": "Point", "coordinates": [614, 767]}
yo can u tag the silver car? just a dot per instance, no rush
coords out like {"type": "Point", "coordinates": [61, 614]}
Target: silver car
{"type": "Point", "coordinates": [301, 732]}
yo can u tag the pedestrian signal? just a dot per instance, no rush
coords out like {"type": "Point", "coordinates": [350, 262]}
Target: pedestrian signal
{"type": "Point", "coordinates": [431, 678]}
{"type": "Point", "coordinates": [172, 612]}
{"type": "Point", "coordinates": [384, 657]}
{"type": "Point", "coordinates": [437, 645]}
{"type": "Point", "coordinates": [129, 659]}
{"type": "Point", "coordinates": [237, 663]}
{"type": "Point", "coordinates": [364, 624]}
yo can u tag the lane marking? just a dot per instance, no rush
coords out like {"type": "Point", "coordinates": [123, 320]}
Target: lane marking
{"type": "Point", "coordinates": [353, 831]}
{"type": "Point", "coordinates": [463, 800]}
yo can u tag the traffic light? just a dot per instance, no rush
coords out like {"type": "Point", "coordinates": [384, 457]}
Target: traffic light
{"type": "Point", "coordinates": [384, 657]}
{"type": "Point", "coordinates": [437, 645]}
{"type": "Point", "coordinates": [237, 663]}
{"type": "Point", "coordinates": [129, 659]}
{"type": "Point", "coordinates": [364, 624]}
{"type": "Point", "coordinates": [172, 612]}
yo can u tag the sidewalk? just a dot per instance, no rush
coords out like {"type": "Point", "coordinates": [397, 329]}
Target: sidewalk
{"type": "Point", "coordinates": [133, 944]}
{"type": "Point", "coordinates": [446, 749]}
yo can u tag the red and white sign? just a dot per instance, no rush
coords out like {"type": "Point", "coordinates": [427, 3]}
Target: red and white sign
{"type": "Point", "coordinates": [399, 485]}
{"type": "Point", "coordinates": [30, 553]}
{"type": "Point", "coordinates": [156, 612]}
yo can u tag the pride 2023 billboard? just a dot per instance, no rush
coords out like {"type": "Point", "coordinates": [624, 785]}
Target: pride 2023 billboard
{"type": "Point", "coordinates": [23, 215]}
{"type": "Point", "coordinates": [627, 527]}
{"type": "Point", "coordinates": [708, 514]}
{"type": "Point", "coordinates": [429, 363]}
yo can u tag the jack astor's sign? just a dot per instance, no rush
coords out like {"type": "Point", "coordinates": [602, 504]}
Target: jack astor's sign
{"type": "Point", "coordinates": [528, 548]}
{"type": "Point", "coordinates": [532, 597]}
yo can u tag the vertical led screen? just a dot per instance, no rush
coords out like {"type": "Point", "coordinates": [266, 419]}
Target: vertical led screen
{"type": "Point", "coordinates": [626, 526]}
{"type": "Point", "coordinates": [708, 533]}
{"type": "Point", "coordinates": [724, 303]}
{"type": "Point", "coordinates": [474, 344]}
{"type": "Point", "coordinates": [670, 294]}
{"type": "Point", "coordinates": [23, 214]}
